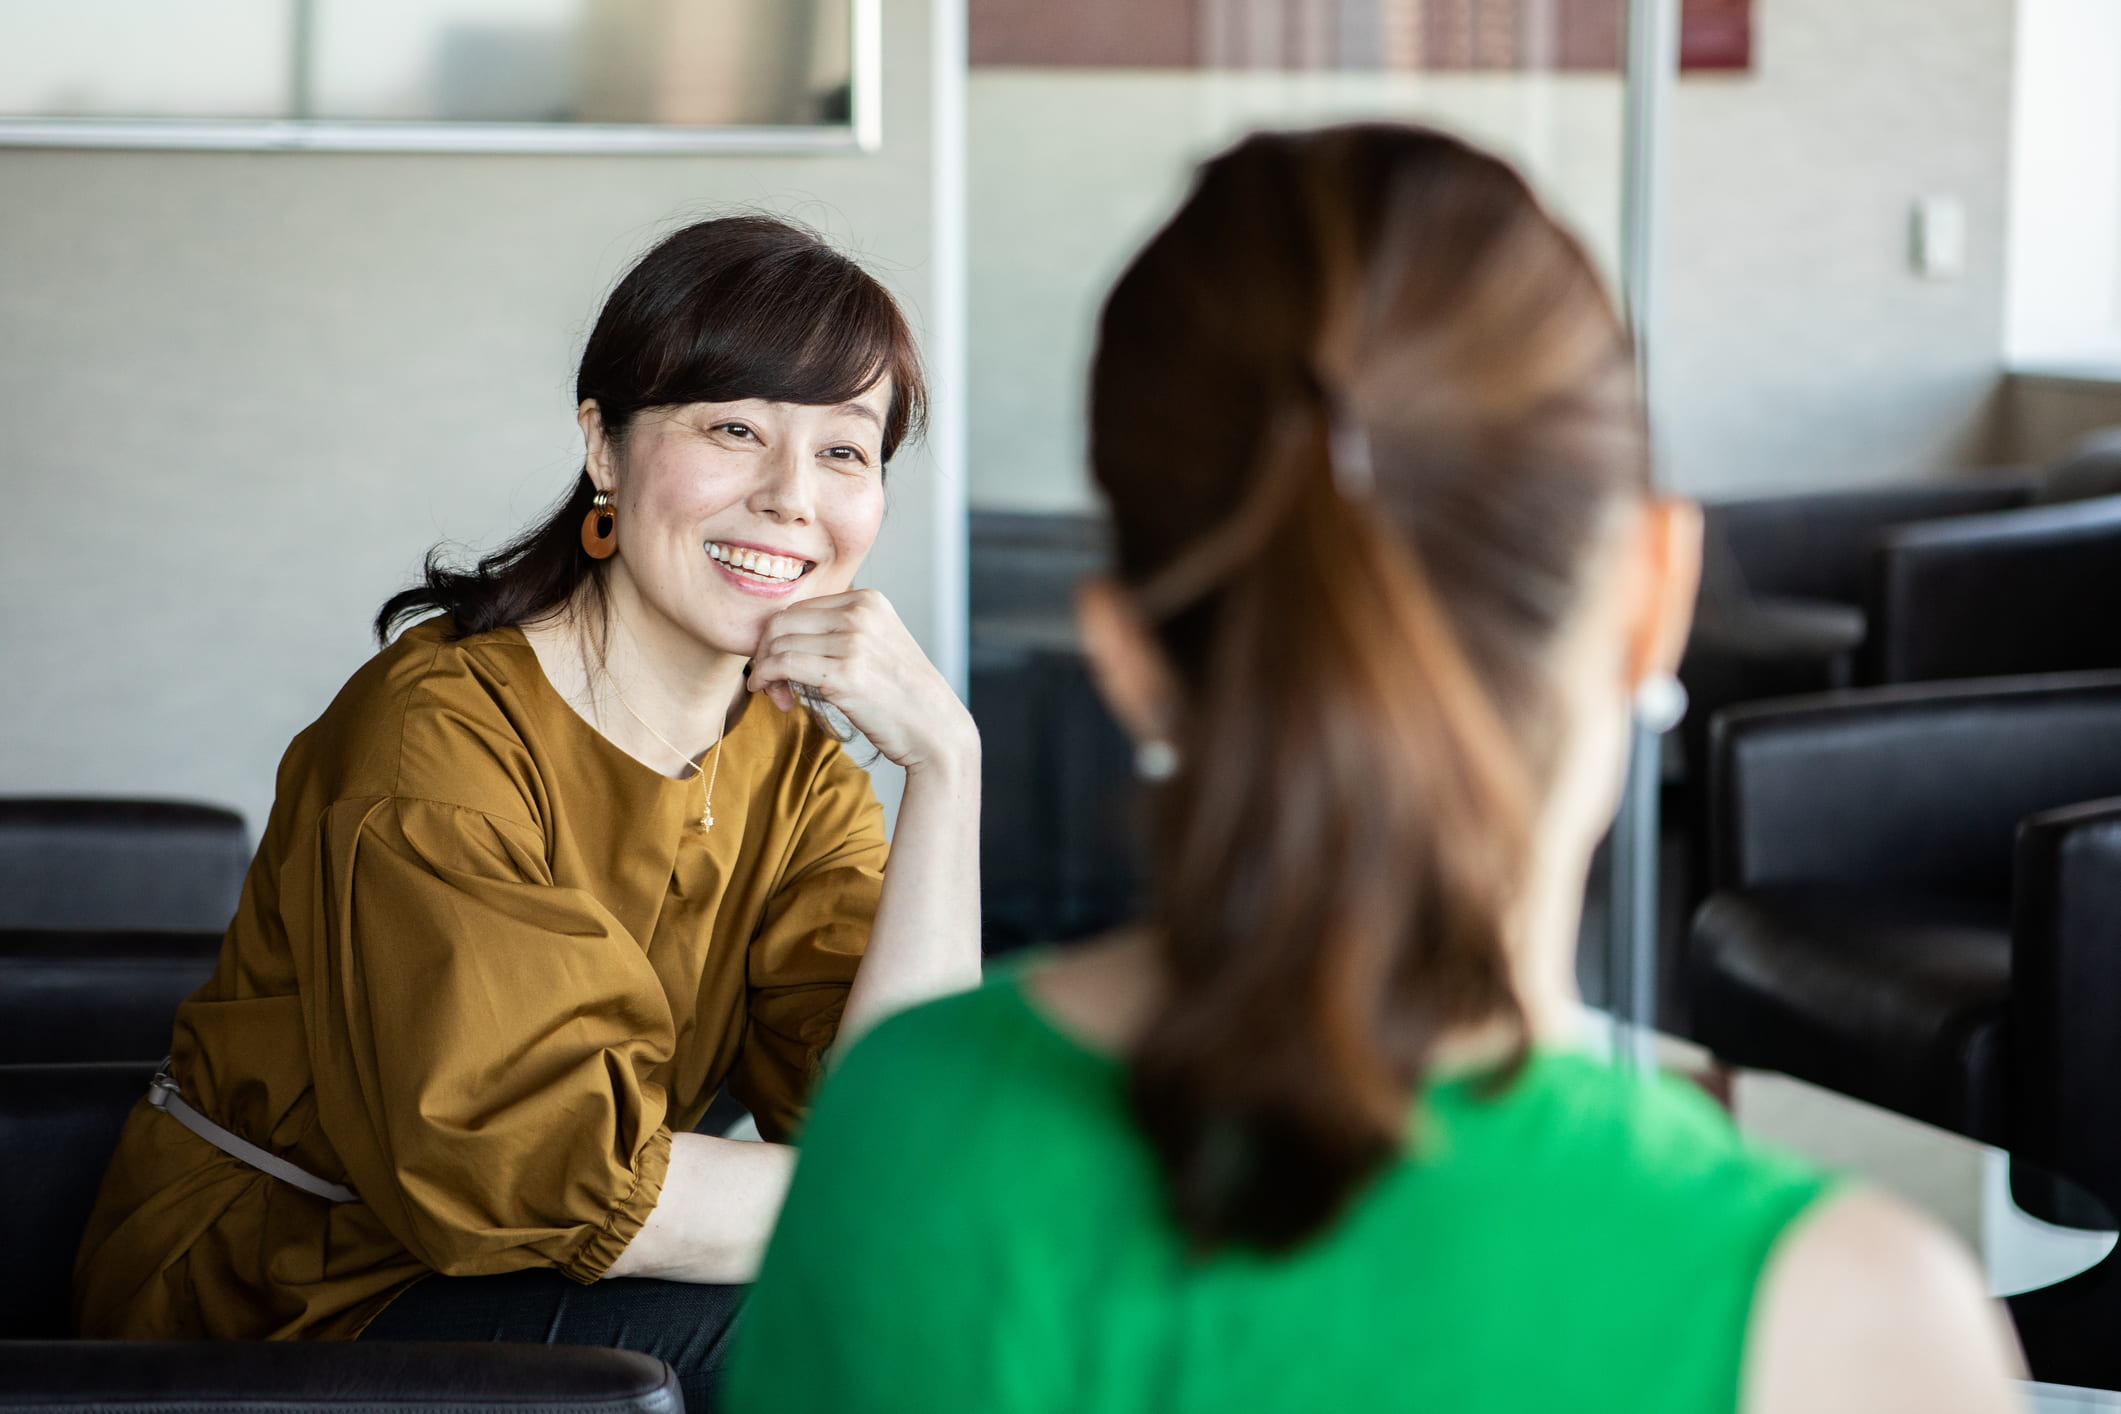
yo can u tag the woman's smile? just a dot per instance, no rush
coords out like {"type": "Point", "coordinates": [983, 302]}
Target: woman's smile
{"type": "Point", "coordinates": [757, 570]}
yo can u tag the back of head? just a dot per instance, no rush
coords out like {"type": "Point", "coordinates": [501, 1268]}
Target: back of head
{"type": "Point", "coordinates": [1360, 412]}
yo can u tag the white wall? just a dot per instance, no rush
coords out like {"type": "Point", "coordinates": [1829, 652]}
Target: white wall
{"type": "Point", "coordinates": [2065, 191]}
{"type": "Point", "coordinates": [1800, 348]}
{"type": "Point", "coordinates": [244, 392]}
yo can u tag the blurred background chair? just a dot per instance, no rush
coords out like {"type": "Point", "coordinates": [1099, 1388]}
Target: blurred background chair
{"type": "Point", "coordinates": [119, 864]}
{"type": "Point", "coordinates": [2002, 575]}
{"type": "Point", "coordinates": [111, 913]}
{"type": "Point", "coordinates": [1914, 904]}
{"type": "Point", "coordinates": [1058, 836]}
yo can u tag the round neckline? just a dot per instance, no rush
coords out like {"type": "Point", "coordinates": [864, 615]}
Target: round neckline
{"type": "Point", "coordinates": [603, 742]}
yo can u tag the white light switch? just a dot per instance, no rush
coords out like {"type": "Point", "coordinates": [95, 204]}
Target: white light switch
{"type": "Point", "coordinates": [1937, 248]}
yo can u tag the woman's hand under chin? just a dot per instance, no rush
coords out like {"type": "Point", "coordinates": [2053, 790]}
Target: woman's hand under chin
{"type": "Point", "coordinates": [855, 653]}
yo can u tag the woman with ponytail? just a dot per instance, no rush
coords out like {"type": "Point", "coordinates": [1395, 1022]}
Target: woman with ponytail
{"type": "Point", "coordinates": [1390, 576]}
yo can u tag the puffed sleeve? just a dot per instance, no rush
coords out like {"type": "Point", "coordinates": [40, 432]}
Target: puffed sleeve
{"type": "Point", "coordinates": [804, 956]}
{"type": "Point", "coordinates": [479, 1038]}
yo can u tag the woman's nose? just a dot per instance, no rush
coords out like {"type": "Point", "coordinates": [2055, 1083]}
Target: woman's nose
{"type": "Point", "coordinates": [785, 490]}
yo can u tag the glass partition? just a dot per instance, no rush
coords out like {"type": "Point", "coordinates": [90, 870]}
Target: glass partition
{"type": "Point", "coordinates": [1085, 123]}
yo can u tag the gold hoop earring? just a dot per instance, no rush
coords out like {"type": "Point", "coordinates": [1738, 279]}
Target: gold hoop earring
{"type": "Point", "coordinates": [600, 538]}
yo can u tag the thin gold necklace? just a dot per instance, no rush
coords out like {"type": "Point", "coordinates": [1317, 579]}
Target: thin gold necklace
{"type": "Point", "coordinates": [706, 804]}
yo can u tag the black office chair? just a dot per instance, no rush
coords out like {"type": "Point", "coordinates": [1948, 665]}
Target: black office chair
{"type": "Point", "coordinates": [1912, 907]}
{"type": "Point", "coordinates": [119, 864]}
{"type": "Point", "coordinates": [2013, 592]}
{"type": "Point", "coordinates": [76, 995]}
{"type": "Point", "coordinates": [1058, 837]}
{"type": "Point", "coordinates": [58, 1124]}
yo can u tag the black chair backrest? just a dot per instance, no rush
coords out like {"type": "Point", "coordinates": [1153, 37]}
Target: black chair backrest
{"type": "Point", "coordinates": [81, 996]}
{"type": "Point", "coordinates": [119, 864]}
{"type": "Point", "coordinates": [2065, 989]}
{"type": "Point", "coordinates": [1918, 788]}
{"type": "Point", "coordinates": [1818, 546]}
{"type": "Point", "coordinates": [2090, 468]}
{"type": "Point", "coordinates": [58, 1125]}
{"type": "Point", "coordinates": [2025, 591]}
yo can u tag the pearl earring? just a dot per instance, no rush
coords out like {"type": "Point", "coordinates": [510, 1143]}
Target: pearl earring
{"type": "Point", "coordinates": [1155, 759]}
{"type": "Point", "coordinates": [1660, 703]}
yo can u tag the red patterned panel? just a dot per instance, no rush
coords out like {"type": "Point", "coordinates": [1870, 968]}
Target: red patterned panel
{"type": "Point", "coordinates": [1351, 34]}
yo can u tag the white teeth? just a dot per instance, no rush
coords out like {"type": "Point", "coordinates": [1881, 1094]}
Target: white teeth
{"type": "Point", "coordinates": [775, 569]}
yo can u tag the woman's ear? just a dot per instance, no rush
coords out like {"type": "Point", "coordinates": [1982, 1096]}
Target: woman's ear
{"type": "Point", "coordinates": [596, 445]}
{"type": "Point", "coordinates": [1129, 669]}
{"type": "Point", "coordinates": [1669, 558]}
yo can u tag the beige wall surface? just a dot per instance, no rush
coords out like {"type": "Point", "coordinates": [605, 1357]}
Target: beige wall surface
{"type": "Point", "coordinates": [1798, 348]}
{"type": "Point", "coordinates": [1068, 171]}
{"type": "Point", "coordinates": [244, 392]}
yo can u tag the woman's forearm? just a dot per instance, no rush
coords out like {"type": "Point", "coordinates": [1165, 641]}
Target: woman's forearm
{"type": "Point", "coordinates": [719, 1202]}
{"type": "Point", "coordinates": [720, 1197]}
{"type": "Point", "coordinates": [926, 939]}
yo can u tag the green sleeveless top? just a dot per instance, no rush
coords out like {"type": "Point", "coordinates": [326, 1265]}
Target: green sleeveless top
{"type": "Point", "coordinates": [976, 1226]}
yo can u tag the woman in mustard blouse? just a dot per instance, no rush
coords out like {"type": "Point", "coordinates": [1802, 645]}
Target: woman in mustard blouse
{"type": "Point", "coordinates": [568, 856]}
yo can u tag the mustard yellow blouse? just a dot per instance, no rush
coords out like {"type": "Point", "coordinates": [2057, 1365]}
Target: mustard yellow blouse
{"type": "Point", "coordinates": [484, 964]}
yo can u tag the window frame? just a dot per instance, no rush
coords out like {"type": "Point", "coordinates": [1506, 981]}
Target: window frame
{"type": "Point", "coordinates": [862, 133]}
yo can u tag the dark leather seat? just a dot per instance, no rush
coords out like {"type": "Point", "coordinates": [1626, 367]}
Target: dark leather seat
{"type": "Point", "coordinates": [111, 913]}
{"type": "Point", "coordinates": [119, 864]}
{"type": "Point", "coordinates": [388, 1377]}
{"type": "Point", "coordinates": [96, 996]}
{"type": "Point", "coordinates": [1057, 831]}
{"type": "Point", "coordinates": [1898, 999]}
{"type": "Point", "coordinates": [2023, 591]}
{"type": "Point", "coordinates": [1786, 610]}
{"type": "Point", "coordinates": [1916, 903]}
{"type": "Point", "coordinates": [58, 1124]}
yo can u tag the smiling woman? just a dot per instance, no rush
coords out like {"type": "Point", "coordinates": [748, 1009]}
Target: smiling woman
{"type": "Point", "coordinates": [545, 877]}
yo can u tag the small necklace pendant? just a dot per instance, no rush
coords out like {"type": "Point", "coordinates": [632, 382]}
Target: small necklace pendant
{"type": "Point", "coordinates": [706, 819]}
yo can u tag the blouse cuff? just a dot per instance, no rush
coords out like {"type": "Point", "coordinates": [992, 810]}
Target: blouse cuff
{"type": "Point", "coordinates": [623, 1222]}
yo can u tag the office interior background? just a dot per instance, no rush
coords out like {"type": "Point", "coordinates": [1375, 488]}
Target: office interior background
{"type": "Point", "coordinates": [251, 375]}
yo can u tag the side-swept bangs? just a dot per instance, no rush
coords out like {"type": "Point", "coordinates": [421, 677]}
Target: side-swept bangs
{"type": "Point", "coordinates": [750, 307]}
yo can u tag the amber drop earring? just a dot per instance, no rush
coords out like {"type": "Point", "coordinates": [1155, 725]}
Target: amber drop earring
{"type": "Point", "coordinates": [600, 537]}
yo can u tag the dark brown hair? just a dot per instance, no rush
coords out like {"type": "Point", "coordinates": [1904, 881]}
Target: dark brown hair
{"type": "Point", "coordinates": [1360, 411]}
{"type": "Point", "coordinates": [741, 307]}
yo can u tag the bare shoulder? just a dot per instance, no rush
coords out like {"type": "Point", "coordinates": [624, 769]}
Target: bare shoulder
{"type": "Point", "coordinates": [1868, 1305]}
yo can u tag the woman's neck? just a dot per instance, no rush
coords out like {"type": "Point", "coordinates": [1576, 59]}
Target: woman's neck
{"type": "Point", "coordinates": [1105, 993]}
{"type": "Point", "coordinates": [654, 691]}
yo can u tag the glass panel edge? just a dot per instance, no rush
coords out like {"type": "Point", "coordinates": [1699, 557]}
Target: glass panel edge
{"type": "Point", "coordinates": [325, 136]}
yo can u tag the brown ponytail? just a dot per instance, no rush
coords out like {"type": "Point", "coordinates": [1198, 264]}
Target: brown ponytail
{"type": "Point", "coordinates": [1357, 411]}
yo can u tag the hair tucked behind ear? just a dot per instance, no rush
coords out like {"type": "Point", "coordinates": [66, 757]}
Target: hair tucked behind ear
{"type": "Point", "coordinates": [1359, 411]}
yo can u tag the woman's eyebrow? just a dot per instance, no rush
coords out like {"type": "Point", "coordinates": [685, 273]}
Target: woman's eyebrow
{"type": "Point", "coordinates": [861, 410]}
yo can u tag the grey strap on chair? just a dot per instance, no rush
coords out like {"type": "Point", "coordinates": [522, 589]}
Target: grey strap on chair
{"type": "Point", "coordinates": [165, 1095]}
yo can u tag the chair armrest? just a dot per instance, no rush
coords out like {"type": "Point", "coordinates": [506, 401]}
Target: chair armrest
{"type": "Point", "coordinates": [1817, 546]}
{"type": "Point", "coordinates": [2023, 591]}
{"type": "Point", "coordinates": [1917, 787]}
{"type": "Point", "coordinates": [2066, 993]}
{"type": "Point", "coordinates": [279, 1377]}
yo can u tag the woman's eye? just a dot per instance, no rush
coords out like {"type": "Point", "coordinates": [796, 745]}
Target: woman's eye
{"type": "Point", "coordinates": [735, 429]}
{"type": "Point", "coordinates": [852, 455]}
